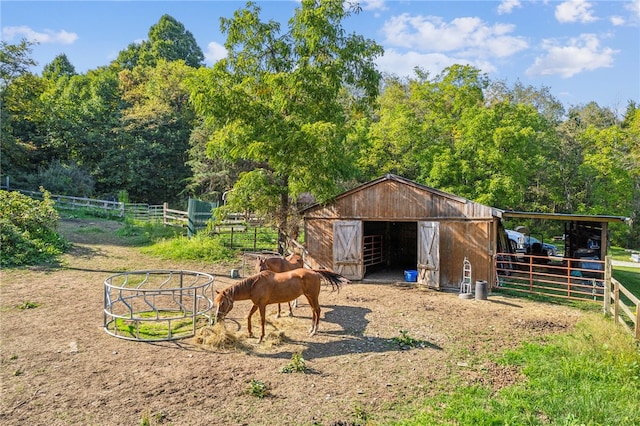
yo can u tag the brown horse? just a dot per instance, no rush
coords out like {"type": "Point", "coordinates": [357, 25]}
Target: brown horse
{"type": "Point", "coordinates": [279, 264]}
{"type": "Point", "coordinates": [269, 287]}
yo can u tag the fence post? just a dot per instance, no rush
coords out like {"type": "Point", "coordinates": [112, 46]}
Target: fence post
{"type": "Point", "coordinates": [165, 206]}
{"type": "Point", "coordinates": [231, 242]}
{"type": "Point", "coordinates": [607, 285]}
{"type": "Point", "coordinates": [255, 238]}
{"type": "Point", "coordinates": [616, 300]}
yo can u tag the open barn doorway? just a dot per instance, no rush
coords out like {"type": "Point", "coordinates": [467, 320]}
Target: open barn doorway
{"type": "Point", "coordinates": [389, 249]}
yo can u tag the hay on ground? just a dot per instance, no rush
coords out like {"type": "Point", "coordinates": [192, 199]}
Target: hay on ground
{"type": "Point", "coordinates": [216, 336]}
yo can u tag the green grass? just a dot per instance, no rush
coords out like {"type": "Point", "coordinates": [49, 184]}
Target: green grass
{"type": "Point", "coordinates": [588, 377]}
{"type": "Point", "coordinates": [619, 253]}
{"type": "Point", "coordinates": [199, 247]}
{"type": "Point", "coordinates": [628, 277]}
{"type": "Point", "coordinates": [146, 233]}
{"type": "Point", "coordinates": [150, 330]}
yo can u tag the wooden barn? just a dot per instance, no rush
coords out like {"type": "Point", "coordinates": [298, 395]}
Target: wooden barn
{"type": "Point", "coordinates": [392, 224]}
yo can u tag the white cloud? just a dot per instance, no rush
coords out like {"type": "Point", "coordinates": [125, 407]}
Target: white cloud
{"type": "Point", "coordinates": [47, 36]}
{"type": "Point", "coordinates": [215, 52]}
{"type": "Point", "coordinates": [634, 7]}
{"type": "Point", "coordinates": [583, 53]}
{"type": "Point", "coordinates": [373, 4]}
{"type": "Point", "coordinates": [574, 11]}
{"type": "Point", "coordinates": [469, 36]}
{"type": "Point", "coordinates": [617, 21]}
{"type": "Point", "coordinates": [507, 6]}
{"type": "Point", "coordinates": [404, 64]}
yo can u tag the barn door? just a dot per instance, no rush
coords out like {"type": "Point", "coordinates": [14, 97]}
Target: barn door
{"type": "Point", "coordinates": [429, 254]}
{"type": "Point", "coordinates": [347, 248]}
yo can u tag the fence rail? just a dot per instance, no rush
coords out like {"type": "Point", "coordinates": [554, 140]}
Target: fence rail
{"type": "Point", "coordinates": [554, 277]}
{"type": "Point", "coordinates": [569, 279]}
{"type": "Point", "coordinates": [616, 298]}
{"type": "Point", "coordinates": [64, 202]}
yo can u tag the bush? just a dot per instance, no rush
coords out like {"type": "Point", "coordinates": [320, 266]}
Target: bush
{"type": "Point", "coordinates": [27, 230]}
{"type": "Point", "coordinates": [60, 178]}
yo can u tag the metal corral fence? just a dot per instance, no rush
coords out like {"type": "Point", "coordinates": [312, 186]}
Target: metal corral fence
{"type": "Point", "coordinates": [575, 279]}
{"type": "Point", "coordinates": [157, 305]}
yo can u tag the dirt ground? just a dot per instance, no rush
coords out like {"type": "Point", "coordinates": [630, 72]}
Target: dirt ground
{"type": "Point", "coordinates": [59, 366]}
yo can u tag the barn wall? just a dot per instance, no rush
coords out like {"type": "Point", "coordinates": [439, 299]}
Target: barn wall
{"type": "Point", "coordinates": [465, 238]}
{"type": "Point", "coordinates": [395, 200]}
{"type": "Point", "coordinates": [319, 243]}
{"type": "Point", "coordinates": [466, 227]}
{"type": "Point", "coordinates": [457, 240]}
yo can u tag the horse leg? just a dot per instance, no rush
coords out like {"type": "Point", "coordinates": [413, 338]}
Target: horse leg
{"type": "Point", "coordinates": [262, 319]}
{"type": "Point", "coordinates": [315, 307]}
{"type": "Point", "coordinates": [279, 309]}
{"type": "Point", "coordinates": [291, 310]}
{"type": "Point", "coordinates": [253, 309]}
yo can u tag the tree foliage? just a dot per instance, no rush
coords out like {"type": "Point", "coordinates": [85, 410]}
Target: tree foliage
{"type": "Point", "coordinates": [278, 100]}
{"type": "Point", "coordinates": [300, 110]}
{"type": "Point", "coordinates": [27, 230]}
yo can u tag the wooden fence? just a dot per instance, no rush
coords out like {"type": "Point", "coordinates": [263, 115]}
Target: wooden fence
{"type": "Point", "coordinates": [621, 304]}
{"type": "Point", "coordinates": [569, 279]}
{"type": "Point", "coordinates": [64, 202]}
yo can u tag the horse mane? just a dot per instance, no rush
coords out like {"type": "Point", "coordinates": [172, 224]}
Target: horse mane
{"type": "Point", "coordinates": [246, 283]}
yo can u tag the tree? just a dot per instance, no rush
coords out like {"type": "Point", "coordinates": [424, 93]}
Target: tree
{"type": "Point", "coordinates": [280, 100]}
{"type": "Point", "coordinates": [157, 123]}
{"type": "Point", "coordinates": [15, 60]}
{"type": "Point", "coordinates": [169, 41]}
{"type": "Point", "coordinates": [21, 132]}
{"type": "Point", "coordinates": [59, 67]}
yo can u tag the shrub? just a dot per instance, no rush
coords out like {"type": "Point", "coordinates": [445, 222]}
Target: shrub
{"type": "Point", "coordinates": [27, 230]}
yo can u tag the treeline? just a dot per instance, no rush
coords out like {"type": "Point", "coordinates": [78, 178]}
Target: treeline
{"type": "Point", "coordinates": [303, 112]}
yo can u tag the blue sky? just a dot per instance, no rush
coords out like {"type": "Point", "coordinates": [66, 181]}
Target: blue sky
{"type": "Point", "coordinates": [582, 50]}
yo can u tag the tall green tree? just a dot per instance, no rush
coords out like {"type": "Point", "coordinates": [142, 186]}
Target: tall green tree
{"type": "Point", "coordinates": [156, 125]}
{"type": "Point", "coordinates": [59, 67]}
{"type": "Point", "coordinates": [168, 40]}
{"type": "Point", "coordinates": [21, 130]}
{"type": "Point", "coordinates": [280, 100]}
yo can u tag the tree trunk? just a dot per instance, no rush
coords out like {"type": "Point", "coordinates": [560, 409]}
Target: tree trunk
{"type": "Point", "coordinates": [282, 219]}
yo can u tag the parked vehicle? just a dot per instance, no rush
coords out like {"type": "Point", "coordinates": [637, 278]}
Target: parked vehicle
{"type": "Point", "coordinates": [516, 239]}
{"type": "Point", "coordinates": [545, 248]}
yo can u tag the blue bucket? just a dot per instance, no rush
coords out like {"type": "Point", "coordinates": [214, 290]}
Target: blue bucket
{"type": "Point", "coordinates": [411, 276]}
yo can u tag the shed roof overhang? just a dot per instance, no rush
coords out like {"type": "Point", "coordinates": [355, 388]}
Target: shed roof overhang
{"type": "Point", "coordinates": [566, 217]}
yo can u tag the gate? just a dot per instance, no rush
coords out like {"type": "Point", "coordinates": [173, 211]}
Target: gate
{"type": "Point", "coordinates": [199, 213]}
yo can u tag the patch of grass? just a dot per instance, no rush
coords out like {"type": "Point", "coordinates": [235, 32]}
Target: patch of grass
{"type": "Point", "coordinates": [28, 305]}
{"type": "Point", "coordinates": [258, 388]}
{"type": "Point", "coordinates": [628, 277]}
{"type": "Point", "coordinates": [296, 365]}
{"type": "Point", "coordinates": [148, 330]}
{"type": "Point", "coordinates": [404, 341]}
{"type": "Point", "coordinates": [199, 247]}
{"type": "Point", "coordinates": [619, 253]}
{"type": "Point", "coordinates": [146, 233]}
{"type": "Point", "coordinates": [589, 376]}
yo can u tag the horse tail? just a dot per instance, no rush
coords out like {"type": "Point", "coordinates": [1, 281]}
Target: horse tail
{"type": "Point", "coordinates": [336, 280]}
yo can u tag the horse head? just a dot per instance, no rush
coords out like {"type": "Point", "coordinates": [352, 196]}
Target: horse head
{"type": "Point", "coordinates": [223, 304]}
{"type": "Point", "coordinates": [261, 265]}
{"type": "Point", "coordinates": [296, 259]}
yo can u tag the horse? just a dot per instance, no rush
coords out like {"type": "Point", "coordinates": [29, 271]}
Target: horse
{"type": "Point", "coordinates": [268, 287]}
{"type": "Point", "coordinates": [279, 264]}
